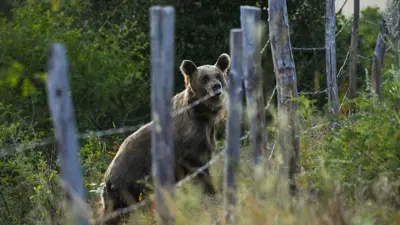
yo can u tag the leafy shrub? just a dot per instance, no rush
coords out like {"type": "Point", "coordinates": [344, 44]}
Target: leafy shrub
{"type": "Point", "coordinates": [364, 149]}
{"type": "Point", "coordinates": [104, 67]}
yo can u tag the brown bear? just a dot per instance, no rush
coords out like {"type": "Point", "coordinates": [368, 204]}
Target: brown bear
{"type": "Point", "coordinates": [193, 133]}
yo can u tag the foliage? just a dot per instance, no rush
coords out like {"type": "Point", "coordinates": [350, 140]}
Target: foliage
{"type": "Point", "coordinates": [104, 67]}
{"type": "Point", "coordinates": [363, 149]}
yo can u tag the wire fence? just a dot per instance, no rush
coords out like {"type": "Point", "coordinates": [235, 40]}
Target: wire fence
{"type": "Point", "coordinates": [18, 148]}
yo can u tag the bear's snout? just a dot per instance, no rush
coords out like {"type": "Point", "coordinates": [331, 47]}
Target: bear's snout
{"type": "Point", "coordinates": [217, 89]}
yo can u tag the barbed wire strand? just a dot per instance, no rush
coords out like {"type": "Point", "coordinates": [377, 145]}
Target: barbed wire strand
{"type": "Point", "coordinates": [369, 22]}
{"type": "Point", "coordinates": [345, 25]}
{"type": "Point", "coordinates": [121, 211]}
{"type": "Point", "coordinates": [344, 63]}
{"type": "Point", "coordinates": [313, 92]}
{"type": "Point", "coordinates": [344, 97]}
{"type": "Point", "coordinates": [265, 47]}
{"type": "Point", "coordinates": [308, 48]}
{"type": "Point", "coordinates": [270, 98]}
{"type": "Point", "coordinates": [366, 58]}
{"type": "Point", "coordinates": [322, 48]}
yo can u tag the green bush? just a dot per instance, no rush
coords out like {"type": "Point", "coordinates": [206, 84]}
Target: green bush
{"type": "Point", "coordinates": [363, 149]}
{"type": "Point", "coordinates": [107, 73]}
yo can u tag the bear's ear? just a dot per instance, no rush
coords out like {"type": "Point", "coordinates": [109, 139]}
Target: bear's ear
{"type": "Point", "coordinates": [188, 68]}
{"type": "Point", "coordinates": [223, 62]}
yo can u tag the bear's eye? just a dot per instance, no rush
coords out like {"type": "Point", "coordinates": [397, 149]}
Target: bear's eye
{"type": "Point", "coordinates": [218, 76]}
{"type": "Point", "coordinates": [205, 79]}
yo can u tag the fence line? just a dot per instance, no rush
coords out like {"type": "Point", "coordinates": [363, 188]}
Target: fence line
{"type": "Point", "coordinates": [3, 152]}
{"type": "Point", "coordinates": [113, 131]}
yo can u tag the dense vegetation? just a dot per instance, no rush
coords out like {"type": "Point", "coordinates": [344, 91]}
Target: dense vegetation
{"type": "Point", "coordinates": [108, 50]}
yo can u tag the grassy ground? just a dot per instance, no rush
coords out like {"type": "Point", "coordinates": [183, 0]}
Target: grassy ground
{"type": "Point", "coordinates": [328, 206]}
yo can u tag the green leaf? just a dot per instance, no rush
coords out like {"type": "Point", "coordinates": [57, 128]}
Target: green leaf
{"type": "Point", "coordinates": [41, 76]}
{"type": "Point", "coordinates": [27, 88]}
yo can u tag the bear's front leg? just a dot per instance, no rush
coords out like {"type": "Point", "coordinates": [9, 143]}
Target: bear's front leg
{"type": "Point", "coordinates": [191, 165]}
{"type": "Point", "coordinates": [205, 179]}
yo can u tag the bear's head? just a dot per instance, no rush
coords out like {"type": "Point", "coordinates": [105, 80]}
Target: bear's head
{"type": "Point", "coordinates": [208, 81]}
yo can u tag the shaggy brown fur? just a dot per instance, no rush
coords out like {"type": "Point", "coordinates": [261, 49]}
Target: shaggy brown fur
{"type": "Point", "coordinates": [193, 133]}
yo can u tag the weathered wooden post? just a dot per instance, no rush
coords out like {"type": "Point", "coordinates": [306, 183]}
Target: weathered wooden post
{"type": "Point", "coordinates": [285, 72]}
{"type": "Point", "coordinates": [162, 22]}
{"type": "Point", "coordinates": [392, 19]}
{"type": "Point", "coordinates": [330, 45]}
{"type": "Point", "coordinates": [250, 18]}
{"type": "Point", "coordinates": [234, 125]}
{"type": "Point", "coordinates": [379, 54]}
{"type": "Point", "coordinates": [62, 113]}
{"type": "Point", "coordinates": [353, 52]}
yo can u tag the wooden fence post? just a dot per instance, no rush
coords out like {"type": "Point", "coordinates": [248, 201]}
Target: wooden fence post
{"type": "Point", "coordinates": [62, 113]}
{"type": "Point", "coordinates": [162, 22]}
{"type": "Point", "coordinates": [250, 17]}
{"type": "Point", "coordinates": [330, 45]}
{"type": "Point", "coordinates": [285, 72]}
{"type": "Point", "coordinates": [234, 125]}
{"type": "Point", "coordinates": [353, 52]}
{"type": "Point", "coordinates": [379, 54]}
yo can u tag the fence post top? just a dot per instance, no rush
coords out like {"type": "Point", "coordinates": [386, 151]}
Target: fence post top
{"type": "Point", "coordinates": [56, 49]}
{"type": "Point", "coordinates": [249, 8]}
{"type": "Point", "coordinates": [57, 45]}
{"type": "Point", "coordinates": [166, 8]}
{"type": "Point", "coordinates": [57, 60]}
{"type": "Point", "coordinates": [236, 30]}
